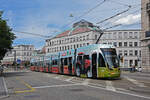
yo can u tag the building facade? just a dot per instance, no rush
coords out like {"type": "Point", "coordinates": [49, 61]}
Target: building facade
{"type": "Point", "coordinates": [85, 33]}
{"type": "Point", "coordinates": [20, 54]}
{"type": "Point", "coordinates": [128, 45]}
{"type": "Point", "coordinates": [145, 34]}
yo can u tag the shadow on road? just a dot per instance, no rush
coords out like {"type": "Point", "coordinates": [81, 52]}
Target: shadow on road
{"type": "Point", "coordinates": [14, 74]}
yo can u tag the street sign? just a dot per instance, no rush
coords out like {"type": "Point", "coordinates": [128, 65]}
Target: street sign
{"type": "Point", "coordinates": [18, 61]}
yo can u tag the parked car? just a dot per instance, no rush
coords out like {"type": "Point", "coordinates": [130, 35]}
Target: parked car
{"type": "Point", "coordinates": [139, 69]}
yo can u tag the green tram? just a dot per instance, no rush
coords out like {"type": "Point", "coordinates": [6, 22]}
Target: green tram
{"type": "Point", "coordinates": [94, 61]}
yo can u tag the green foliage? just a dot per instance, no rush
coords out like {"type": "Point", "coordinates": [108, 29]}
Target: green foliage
{"type": "Point", "coordinates": [6, 37]}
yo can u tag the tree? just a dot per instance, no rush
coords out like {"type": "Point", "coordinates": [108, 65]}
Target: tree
{"type": "Point", "coordinates": [6, 37]}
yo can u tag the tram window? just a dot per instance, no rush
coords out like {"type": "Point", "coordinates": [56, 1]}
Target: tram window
{"type": "Point", "coordinates": [101, 62]}
{"type": "Point", "coordinates": [86, 57]}
{"type": "Point", "coordinates": [65, 61]}
{"type": "Point", "coordinates": [79, 58]}
{"type": "Point", "coordinates": [70, 60]}
{"type": "Point", "coordinates": [54, 62]}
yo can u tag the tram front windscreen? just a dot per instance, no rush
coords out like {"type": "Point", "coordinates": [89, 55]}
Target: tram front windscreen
{"type": "Point", "coordinates": [111, 57]}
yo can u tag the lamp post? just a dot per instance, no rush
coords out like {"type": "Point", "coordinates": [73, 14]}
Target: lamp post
{"type": "Point", "coordinates": [14, 59]}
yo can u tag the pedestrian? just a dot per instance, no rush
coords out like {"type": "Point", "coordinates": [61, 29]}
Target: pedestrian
{"type": "Point", "coordinates": [140, 69]}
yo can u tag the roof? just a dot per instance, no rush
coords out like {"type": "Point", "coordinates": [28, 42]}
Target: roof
{"type": "Point", "coordinates": [74, 31]}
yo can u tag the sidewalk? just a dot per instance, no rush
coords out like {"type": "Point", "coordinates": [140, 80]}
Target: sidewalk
{"type": "Point", "coordinates": [3, 88]}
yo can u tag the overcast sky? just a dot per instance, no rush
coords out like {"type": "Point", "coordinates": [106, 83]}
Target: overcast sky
{"type": "Point", "coordinates": [51, 17]}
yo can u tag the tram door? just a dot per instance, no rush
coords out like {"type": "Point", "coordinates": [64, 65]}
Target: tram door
{"type": "Point", "coordinates": [94, 65]}
{"type": "Point", "coordinates": [70, 65]}
{"type": "Point", "coordinates": [62, 66]}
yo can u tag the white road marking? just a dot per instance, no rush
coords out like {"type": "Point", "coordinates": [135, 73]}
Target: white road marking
{"type": "Point", "coordinates": [49, 75]}
{"type": "Point", "coordinates": [57, 77]}
{"type": "Point", "coordinates": [109, 86]}
{"type": "Point", "coordinates": [120, 92]}
{"type": "Point", "coordinates": [6, 90]}
{"type": "Point", "coordinates": [69, 79]}
{"type": "Point", "coordinates": [86, 82]}
{"type": "Point", "coordinates": [56, 86]}
{"type": "Point", "coordinates": [135, 82]}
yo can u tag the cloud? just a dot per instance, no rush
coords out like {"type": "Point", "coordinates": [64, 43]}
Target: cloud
{"type": "Point", "coordinates": [130, 19]}
{"type": "Point", "coordinates": [46, 16]}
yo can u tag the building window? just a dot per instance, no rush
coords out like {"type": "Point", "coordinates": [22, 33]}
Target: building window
{"type": "Point", "coordinates": [125, 63]}
{"type": "Point", "coordinates": [125, 44]}
{"type": "Point", "coordinates": [115, 44]}
{"type": "Point", "coordinates": [109, 35]}
{"type": "Point", "coordinates": [65, 48]}
{"type": "Point", "coordinates": [87, 37]}
{"type": "Point", "coordinates": [131, 63]}
{"type": "Point", "coordinates": [71, 46]}
{"type": "Point", "coordinates": [120, 35]}
{"type": "Point", "coordinates": [140, 53]}
{"type": "Point", "coordinates": [114, 35]}
{"type": "Point", "coordinates": [125, 35]}
{"type": "Point", "coordinates": [80, 45]}
{"type": "Point", "coordinates": [125, 53]}
{"type": "Point", "coordinates": [120, 52]}
{"type": "Point", "coordinates": [80, 38]}
{"type": "Point", "coordinates": [120, 44]}
{"type": "Point", "coordinates": [135, 35]}
{"type": "Point", "coordinates": [135, 52]}
{"type": "Point", "coordinates": [68, 47]}
{"type": "Point", "coordinates": [110, 43]}
{"type": "Point", "coordinates": [70, 40]}
{"type": "Point", "coordinates": [130, 44]}
{"type": "Point", "coordinates": [136, 63]}
{"type": "Point", "coordinates": [77, 39]}
{"type": "Point", "coordinates": [95, 37]}
{"type": "Point", "coordinates": [77, 45]}
{"type": "Point", "coordinates": [73, 39]}
{"type": "Point", "coordinates": [130, 35]}
{"type": "Point", "coordinates": [135, 44]}
{"type": "Point", "coordinates": [103, 36]}
{"type": "Point", "coordinates": [131, 52]}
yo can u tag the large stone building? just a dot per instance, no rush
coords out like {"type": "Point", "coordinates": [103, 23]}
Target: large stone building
{"type": "Point", "coordinates": [145, 35]}
{"type": "Point", "coordinates": [84, 33]}
{"type": "Point", "coordinates": [20, 54]}
{"type": "Point", "coordinates": [127, 44]}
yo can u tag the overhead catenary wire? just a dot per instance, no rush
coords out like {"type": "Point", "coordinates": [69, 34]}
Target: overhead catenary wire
{"type": "Point", "coordinates": [85, 13]}
{"type": "Point", "coordinates": [132, 7]}
{"type": "Point", "coordinates": [101, 32]}
{"type": "Point", "coordinates": [122, 17]}
{"type": "Point", "coordinates": [29, 33]}
{"type": "Point", "coordinates": [129, 7]}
